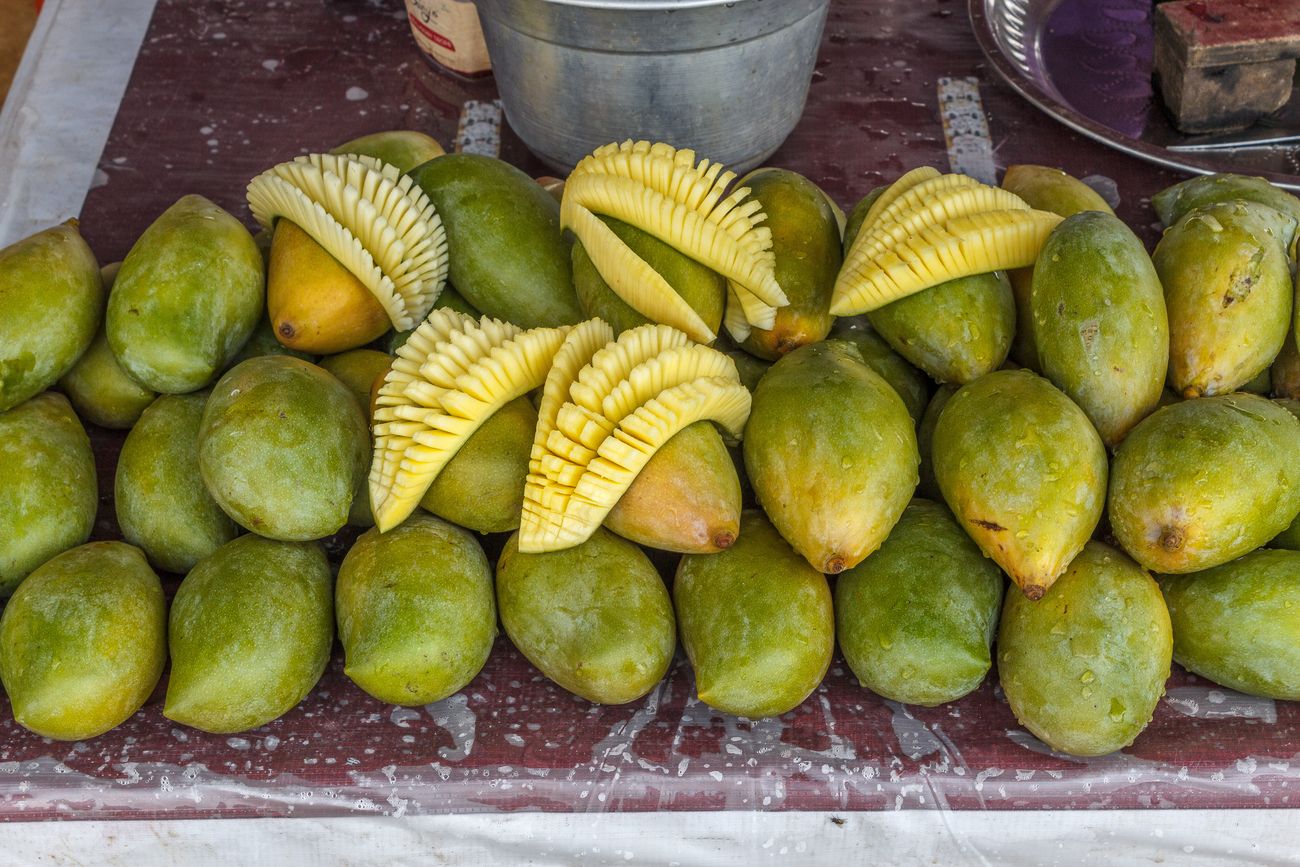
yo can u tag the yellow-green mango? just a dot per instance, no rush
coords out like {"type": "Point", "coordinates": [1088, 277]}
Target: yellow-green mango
{"type": "Point", "coordinates": [858, 215]}
{"type": "Point", "coordinates": [1084, 667]}
{"type": "Point", "coordinates": [595, 618]}
{"type": "Point", "coordinates": [263, 342]}
{"type": "Point", "coordinates": [1290, 537]}
{"type": "Point", "coordinates": [282, 447]}
{"type": "Point", "coordinates": [187, 297]}
{"type": "Point", "coordinates": [751, 369]}
{"type": "Point", "coordinates": [482, 486]}
{"type": "Point", "coordinates": [1239, 624]}
{"type": "Point", "coordinates": [403, 148]}
{"type": "Point", "coordinates": [1173, 203]}
{"type": "Point", "coordinates": [1099, 321]}
{"type": "Point", "coordinates": [1228, 289]}
{"type": "Point", "coordinates": [956, 331]}
{"type": "Point", "coordinates": [1284, 375]}
{"type": "Point", "coordinates": [84, 641]}
{"type": "Point", "coordinates": [831, 452]}
{"type": "Point", "coordinates": [162, 505]}
{"type": "Point", "coordinates": [1024, 471]}
{"type": "Point", "coordinates": [51, 305]}
{"type": "Point", "coordinates": [929, 486]}
{"type": "Point", "coordinates": [916, 619]}
{"type": "Point", "coordinates": [911, 384]}
{"type": "Point", "coordinates": [48, 495]}
{"type": "Point", "coordinates": [806, 241]}
{"type": "Point", "coordinates": [100, 390]}
{"type": "Point", "coordinates": [416, 611]}
{"type": "Point", "coordinates": [507, 255]}
{"type": "Point", "coordinates": [756, 621]}
{"type": "Point", "coordinates": [250, 632]}
{"type": "Point", "coordinates": [700, 286]}
{"type": "Point", "coordinates": [357, 369]}
{"type": "Point", "coordinates": [687, 497]}
{"type": "Point", "coordinates": [1204, 481]}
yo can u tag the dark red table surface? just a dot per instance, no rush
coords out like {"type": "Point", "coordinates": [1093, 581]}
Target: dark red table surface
{"type": "Point", "coordinates": [224, 88]}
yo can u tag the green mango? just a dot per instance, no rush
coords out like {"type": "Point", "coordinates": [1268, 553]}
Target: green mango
{"type": "Point", "coordinates": [1227, 283]}
{"type": "Point", "coordinates": [358, 369]}
{"type": "Point", "coordinates": [916, 619]}
{"type": "Point", "coordinates": [756, 623]}
{"type": "Point", "coordinates": [956, 331]}
{"type": "Point", "coordinates": [1173, 203]}
{"type": "Point", "coordinates": [482, 486]}
{"type": "Point", "coordinates": [402, 148]}
{"type": "Point", "coordinates": [84, 641]}
{"type": "Point", "coordinates": [162, 504]}
{"type": "Point", "coordinates": [1261, 384]}
{"type": "Point", "coordinates": [48, 494]}
{"type": "Point", "coordinates": [929, 486]}
{"type": "Point", "coordinates": [595, 618]}
{"type": "Point", "coordinates": [910, 384]}
{"type": "Point", "coordinates": [250, 632]}
{"type": "Point", "coordinates": [751, 369]}
{"type": "Point", "coordinates": [858, 215]}
{"type": "Point", "coordinates": [51, 305]}
{"type": "Point", "coordinates": [448, 298]}
{"type": "Point", "coordinates": [834, 495]}
{"type": "Point", "coordinates": [1049, 189]}
{"type": "Point", "coordinates": [1084, 667]}
{"type": "Point", "coordinates": [187, 298]}
{"type": "Point", "coordinates": [263, 342]}
{"type": "Point", "coordinates": [701, 287]}
{"type": "Point", "coordinates": [507, 256]}
{"type": "Point", "coordinates": [1024, 348]}
{"type": "Point", "coordinates": [1024, 471]}
{"type": "Point", "coordinates": [1284, 375]}
{"type": "Point", "coordinates": [416, 611]}
{"type": "Point", "coordinates": [1099, 321]}
{"type": "Point", "coordinates": [806, 241]}
{"type": "Point", "coordinates": [1239, 624]}
{"type": "Point", "coordinates": [283, 447]}
{"type": "Point", "coordinates": [1290, 537]}
{"type": "Point", "coordinates": [687, 497]}
{"type": "Point", "coordinates": [1204, 481]}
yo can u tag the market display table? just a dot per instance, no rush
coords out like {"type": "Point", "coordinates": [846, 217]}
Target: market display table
{"type": "Point", "coordinates": [223, 89]}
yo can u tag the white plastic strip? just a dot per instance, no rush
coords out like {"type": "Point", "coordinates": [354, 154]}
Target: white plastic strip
{"type": "Point", "coordinates": [965, 129]}
{"type": "Point", "coordinates": [479, 131]}
{"type": "Point", "coordinates": [61, 107]}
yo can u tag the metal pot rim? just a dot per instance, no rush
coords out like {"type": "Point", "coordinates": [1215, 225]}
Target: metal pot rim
{"type": "Point", "coordinates": [644, 5]}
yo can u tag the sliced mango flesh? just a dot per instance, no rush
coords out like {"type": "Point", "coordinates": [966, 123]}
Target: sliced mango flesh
{"type": "Point", "coordinates": [918, 175]}
{"type": "Point", "coordinates": [370, 217]}
{"type": "Point", "coordinates": [450, 376]}
{"type": "Point", "coordinates": [664, 192]}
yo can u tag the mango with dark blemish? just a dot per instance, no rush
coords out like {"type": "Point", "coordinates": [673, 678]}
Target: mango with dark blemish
{"type": "Point", "coordinates": [282, 448]}
{"type": "Point", "coordinates": [1084, 667]}
{"type": "Point", "coordinates": [1100, 324]}
{"type": "Point", "coordinates": [1204, 481]}
{"type": "Point", "coordinates": [416, 611]}
{"type": "Point", "coordinates": [84, 641]}
{"type": "Point", "coordinates": [1173, 203]}
{"type": "Point", "coordinates": [250, 631]}
{"type": "Point", "coordinates": [1024, 471]}
{"type": "Point", "coordinates": [1228, 290]}
{"type": "Point", "coordinates": [263, 342]}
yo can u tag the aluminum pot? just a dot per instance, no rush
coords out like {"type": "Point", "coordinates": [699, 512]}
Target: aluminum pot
{"type": "Point", "coordinates": [728, 79]}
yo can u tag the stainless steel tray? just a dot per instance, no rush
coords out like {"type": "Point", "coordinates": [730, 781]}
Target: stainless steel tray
{"type": "Point", "coordinates": [1088, 64]}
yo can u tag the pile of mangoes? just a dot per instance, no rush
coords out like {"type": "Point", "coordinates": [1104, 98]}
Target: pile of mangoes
{"type": "Point", "coordinates": [645, 356]}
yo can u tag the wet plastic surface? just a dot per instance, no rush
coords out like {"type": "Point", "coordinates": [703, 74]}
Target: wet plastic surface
{"type": "Point", "coordinates": [224, 89]}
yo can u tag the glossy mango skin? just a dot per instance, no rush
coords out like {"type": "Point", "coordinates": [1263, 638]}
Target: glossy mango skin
{"type": "Point", "coordinates": [1290, 537]}
{"type": "Point", "coordinates": [956, 331]}
{"type": "Point", "coordinates": [1173, 203]}
{"type": "Point", "coordinates": [596, 618]}
{"type": "Point", "coordinates": [1228, 289]}
{"type": "Point", "coordinates": [482, 486]}
{"type": "Point", "coordinates": [48, 496]}
{"type": "Point", "coordinates": [403, 148]}
{"type": "Point", "coordinates": [1024, 471]}
{"type": "Point", "coordinates": [162, 504]}
{"type": "Point", "coordinates": [416, 611]}
{"type": "Point", "coordinates": [911, 384]}
{"type": "Point", "coordinates": [250, 631]}
{"type": "Point", "coordinates": [1239, 624]}
{"type": "Point", "coordinates": [282, 448]}
{"type": "Point", "coordinates": [1100, 323]}
{"type": "Point", "coordinates": [507, 256]}
{"type": "Point", "coordinates": [187, 297]}
{"type": "Point", "coordinates": [806, 241]}
{"type": "Point", "coordinates": [84, 641]}
{"type": "Point", "coordinates": [51, 305]}
{"type": "Point", "coordinates": [1202, 482]}
{"type": "Point", "coordinates": [700, 287]}
{"type": "Point", "coordinates": [916, 619]}
{"type": "Point", "coordinates": [1084, 667]}
{"type": "Point", "coordinates": [357, 369]}
{"type": "Point", "coordinates": [262, 342]}
{"type": "Point", "coordinates": [928, 487]}
{"type": "Point", "coordinates": [756, 623]}
{"type": "Point", "coordinates": [835, 495]}
{"type": "Point", "coordinates": [1284, 375]}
